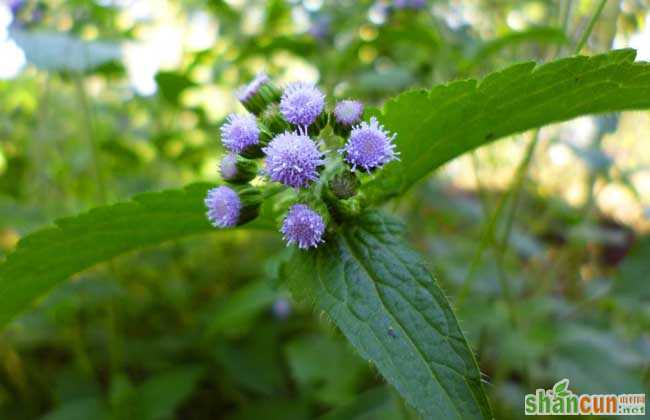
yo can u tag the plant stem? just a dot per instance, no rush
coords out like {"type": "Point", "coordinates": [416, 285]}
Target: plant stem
{"type": "Point", "coordinates": [90, 138]}
{"type": "Point", "coordinates": [590, 26]}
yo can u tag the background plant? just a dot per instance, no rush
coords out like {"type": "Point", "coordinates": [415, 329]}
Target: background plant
{"type": "Point", "coordinates": [545, 286]}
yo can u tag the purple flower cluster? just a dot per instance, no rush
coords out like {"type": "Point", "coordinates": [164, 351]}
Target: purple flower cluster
{"type": "Point", "coordinates": [283, 128]}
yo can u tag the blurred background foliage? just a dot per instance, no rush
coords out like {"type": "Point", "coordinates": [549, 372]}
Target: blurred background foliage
{"type": "Point", "coordinates": [544, 253]}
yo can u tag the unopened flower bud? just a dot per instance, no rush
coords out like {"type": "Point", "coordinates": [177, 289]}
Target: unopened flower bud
{"type": "Point", "coordinates": [272, 118]}
{"type": "Point", "coordinates": [236, 169]}
{"type": "Point", "coordinates": [344, 184]}
{"type": "Point", "coordinates": [258, 94]}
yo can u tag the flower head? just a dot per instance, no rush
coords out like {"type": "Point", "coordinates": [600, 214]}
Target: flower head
{"type": "Point", "coordinates": [240, 132]}
{"type": "Point", "coordinates": [303, 226]}
{"type": "Point", "coordinates": [236, 169]}
{"type": "Point", "coordinates": [348, 112]}
{"type": "Point", "coordinates": [246, 92]}
{"type": "Point", "coordinates": [224, 207]}
{"type": "Point", "coordinates": [369, 146]}
{"type": "Point", "coordinates": [302, 103]}
{"type": "Point", "coordinates": [293, 159]}
{"type": "Point", "coordinates": [258, 94]}
{"type": "Point", "coordinates": [228, 167]}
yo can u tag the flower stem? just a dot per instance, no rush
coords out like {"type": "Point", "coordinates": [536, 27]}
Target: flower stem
{"type": "Point", "coordinates": [590, 26]}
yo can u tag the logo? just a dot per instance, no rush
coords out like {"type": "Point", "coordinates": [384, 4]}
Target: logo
{"type": "Point", "coordinates": [561, 401]}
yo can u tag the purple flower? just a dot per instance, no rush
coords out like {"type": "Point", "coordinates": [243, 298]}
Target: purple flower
{"type": "Point", "coordinates": [282, 308]}
{"type": "Point", "coordinates": [224, 207]}
{"type": "Point", "coordinates": [258, 94]}
{"type": "Point", "coordinates": [293, 159]}
{"type": "Point", "coordinates": [348, 112]}
{"type": "Point", "coordinates": [246, 92]}
{"type": "Point", "coordinates": [236, 169]}
{"type": "Point", "coordinates": [301, 104]}
{"type": "Point", "coordinates": [240, 132]}
{"type": "Point", "coordinates": [228, 166]}
{"type": "Point", "coordinates": [369, 146]}
{"type": "Point", "coordinates": [303, 226]}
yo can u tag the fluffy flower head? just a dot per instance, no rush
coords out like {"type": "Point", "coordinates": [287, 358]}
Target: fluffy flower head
{"type": "Point", "coordinates": [246, 92]}
{"type": "Point", "coordinates": [302, 103]}
{"type": "Point", "coordinates": [348, 112]}
{"type": "Point", "coordinates": [240, 132]}
{"type": "Point", "coordinates": [228, 166]}
{"type": "Point", "coordinates": [224, 207]}
{"type": "Point", "coordinates": [293, 159]}
{"type": "Point", "coordinates": [303, 226]}
{"type": "Point", "coordinates": [369, 146]}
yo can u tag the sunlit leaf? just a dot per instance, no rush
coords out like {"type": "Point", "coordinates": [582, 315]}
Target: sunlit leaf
{"type": "Point", "coordinates": [434, 126]}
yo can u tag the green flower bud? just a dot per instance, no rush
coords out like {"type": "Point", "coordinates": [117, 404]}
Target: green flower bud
{"type": "Point", "coordinates": [236, 169]}
{"type": "Point", "coordinates": [258, 94]}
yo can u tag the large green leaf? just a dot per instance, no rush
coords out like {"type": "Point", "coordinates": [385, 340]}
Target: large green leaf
{"type": "Point", "coordinates": [434, 126]}
{"type": "Point", "coordinates": [382, 297]}
{"type": "Point", "coordinates": [49, 256]}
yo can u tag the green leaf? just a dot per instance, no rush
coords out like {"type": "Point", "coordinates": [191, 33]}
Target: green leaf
{"type": "Point", "coordinates": [49, 256]}
{"type": "Point", "coordinates": [384, 300]}
{"type": "Point", "coordinates": [238, 309]}
{"type": "Point", "coordinates": [332, 380]}
{"type": "Point", "coordinates": [160, 395]}
{"type": "Point", "coordinates": [379, 403]}
{"type": "Point", "coordinates": [80, 409]}
{"type": "Point", "coordinates": [632, 282]}
{"type": "Point", "coordinates": [172, 85]}
{"type": "Point", "coordinates": [434, 126]}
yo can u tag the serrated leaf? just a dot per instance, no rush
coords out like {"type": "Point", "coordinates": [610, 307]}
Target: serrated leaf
{"type": "Point", "coordinates": [437, 125]}
{"type": "Point", "coordinates": [384, 300]}
{"type": "Point", "coordinates": [51, 255]}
